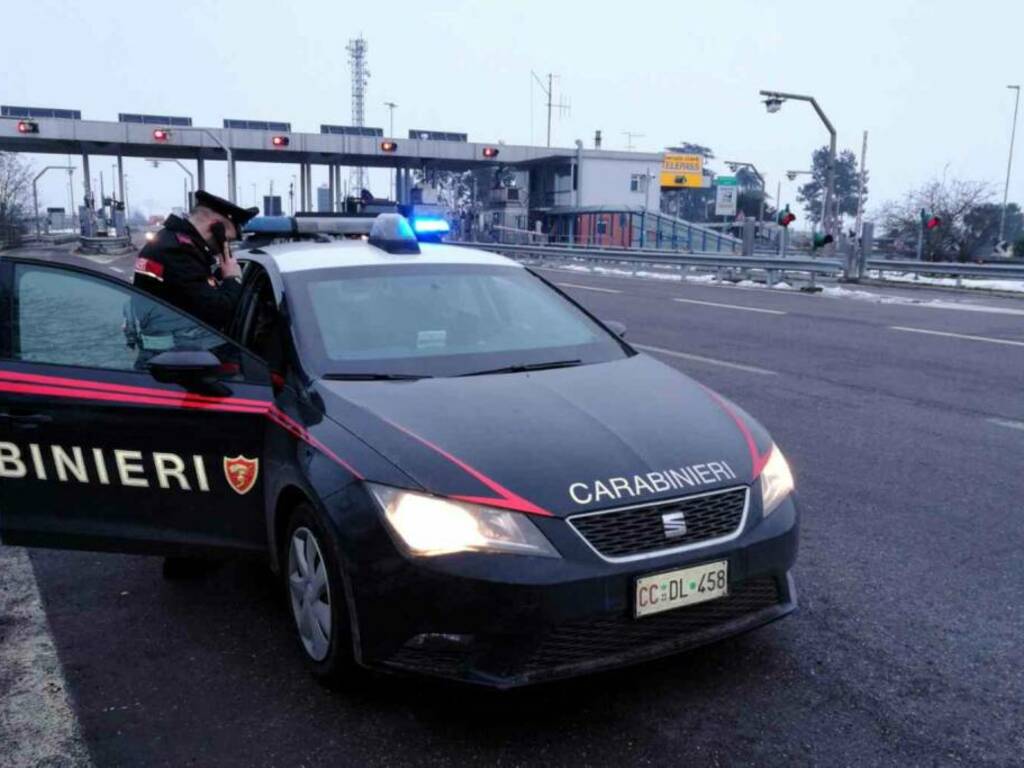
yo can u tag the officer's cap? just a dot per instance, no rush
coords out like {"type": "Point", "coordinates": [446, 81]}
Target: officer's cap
{"type": "Point", "coordinates": [236, 215]}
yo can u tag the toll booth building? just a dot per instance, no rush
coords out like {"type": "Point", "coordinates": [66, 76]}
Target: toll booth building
{"type": "Point", "coordinates": [612, 199]}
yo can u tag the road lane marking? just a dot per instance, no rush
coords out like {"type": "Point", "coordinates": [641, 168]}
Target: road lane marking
{"type": "Point", "coordinates": [588, 287]}
{"type": "Point", "coordinates": [937, 304]}
{"type": "Point", "coordinates": [709, 360]}
{"type": "Point", "coordinates": [958, 335]}
{"type": "Point", "coordinates": [731, 306]}
{"type": "Point", "coordinates": [37, 723]}
{"type": "Point", "coordinates": [1008, 423]}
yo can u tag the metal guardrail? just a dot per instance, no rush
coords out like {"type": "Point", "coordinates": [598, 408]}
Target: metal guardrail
{"type": "Point", "coordinates": [773, 265]}
{"type": "Point", "coordinates": [954, 268]}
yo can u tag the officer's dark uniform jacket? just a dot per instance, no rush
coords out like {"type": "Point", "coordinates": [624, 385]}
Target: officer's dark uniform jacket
{"type": "Point", "coordinates": [180, 267]}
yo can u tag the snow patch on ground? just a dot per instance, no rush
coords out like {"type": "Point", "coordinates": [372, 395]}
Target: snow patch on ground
{"type": "Point", "coordinates": [992, 284]}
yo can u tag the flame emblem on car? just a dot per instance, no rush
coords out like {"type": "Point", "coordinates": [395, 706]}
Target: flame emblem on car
{"type": "Point", "coordinates": [241, 473]}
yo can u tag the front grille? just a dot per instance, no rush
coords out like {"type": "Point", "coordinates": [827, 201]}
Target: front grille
{"type": "Point", "coordinates": [640, 530]}
{"type": "Point", "coordinates": [594, 639]}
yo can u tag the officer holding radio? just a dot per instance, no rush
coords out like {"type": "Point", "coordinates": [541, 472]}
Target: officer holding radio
{"type": "Point", "coordinates": [189, 264]}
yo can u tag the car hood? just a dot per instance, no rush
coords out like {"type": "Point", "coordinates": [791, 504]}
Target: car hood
{"type": "Point", "coordinates": [557, 441]}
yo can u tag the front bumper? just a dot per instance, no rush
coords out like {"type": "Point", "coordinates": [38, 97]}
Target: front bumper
{"type": "Point", "coordinates": [506, 621]}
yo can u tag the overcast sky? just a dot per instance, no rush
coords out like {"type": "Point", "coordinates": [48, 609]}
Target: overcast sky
{"type": "Point", "coordinates": [926, 79]}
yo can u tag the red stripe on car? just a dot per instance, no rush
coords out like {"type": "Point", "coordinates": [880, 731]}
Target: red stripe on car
{"type": "Point", "coordinates": [757, 459]}
{"type": "Point", "coordinates": [80, 389]}
{"type": "Point", "coordinates": [505, 498]}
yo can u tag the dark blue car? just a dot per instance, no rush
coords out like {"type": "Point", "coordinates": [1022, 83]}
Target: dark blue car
{"type": "Point", "coordinates": [455, 469]}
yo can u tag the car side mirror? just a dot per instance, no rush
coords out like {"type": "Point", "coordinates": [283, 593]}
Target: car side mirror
{"type": "Point", "coordinates": [619, 329]}
{"type": "Point", "coordinates": [184, 366]}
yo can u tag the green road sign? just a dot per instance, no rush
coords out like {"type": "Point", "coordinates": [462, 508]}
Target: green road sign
{"type": "Point", "coordinates": [726, 181]}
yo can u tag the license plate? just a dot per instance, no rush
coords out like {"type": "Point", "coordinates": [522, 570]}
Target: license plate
{"type": "Point", "coordinates": [686, 586]}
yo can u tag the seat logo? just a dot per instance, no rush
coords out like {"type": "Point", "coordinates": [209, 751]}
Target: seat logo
{"type": "Point", "coordinates": [674, 524]}
{"type": "Point", "coordinates": [241, 473]}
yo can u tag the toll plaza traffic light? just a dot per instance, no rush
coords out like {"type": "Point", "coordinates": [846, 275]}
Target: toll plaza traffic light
{"type": "Point", "coordinates": [820, 240]}
{"type": "Point", "coordinates": [490, 152]}
{"type": "Point", "coordinates": [280, 141]}
{"type": "Point", "coordinates": [785, 217]}
{"type": "Point", "coordinates": [161, 134]}
{"type": "Point", "coordinates": [28, 126]}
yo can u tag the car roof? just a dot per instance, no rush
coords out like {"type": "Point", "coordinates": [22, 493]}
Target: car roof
{"type": "Point", "coordinates": [301, 256]}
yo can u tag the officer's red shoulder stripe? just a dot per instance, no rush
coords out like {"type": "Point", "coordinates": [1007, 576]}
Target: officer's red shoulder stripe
{"type": "Point", "coordinates": [504, 499]}
{"type": "Point", "coordinates": [108, 392]}
{"type": "Point", "coordinates": [184, 239]}
{"type": "Point", "coordinates": [149, 268]}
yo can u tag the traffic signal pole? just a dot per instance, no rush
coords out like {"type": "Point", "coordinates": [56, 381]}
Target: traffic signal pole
{"type": "Point", "coordinates": [827, 214]}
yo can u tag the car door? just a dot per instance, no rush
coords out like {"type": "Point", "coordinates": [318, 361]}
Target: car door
{"type": "Point", "coordinates": [109, 440]}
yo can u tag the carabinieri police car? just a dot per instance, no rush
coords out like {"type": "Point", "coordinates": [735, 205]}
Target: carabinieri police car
{"type": "Point", "coordinates": [455, 469]}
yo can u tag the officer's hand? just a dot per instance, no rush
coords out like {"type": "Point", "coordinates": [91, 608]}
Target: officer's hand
{"type": "Point", "coordinates": [229, 265]}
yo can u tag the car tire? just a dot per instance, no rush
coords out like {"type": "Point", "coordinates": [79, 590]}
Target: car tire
{"type": "Point", "coordinates": [315, 596]}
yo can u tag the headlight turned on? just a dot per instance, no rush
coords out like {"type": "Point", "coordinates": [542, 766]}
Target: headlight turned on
{"type": "Point", "coordinates": [776, 481]}
{"type": "Point", "coordinates": [430, 525]}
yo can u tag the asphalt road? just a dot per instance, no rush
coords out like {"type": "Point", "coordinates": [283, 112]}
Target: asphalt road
{"type": "Point", "coordinates": [908, 447]}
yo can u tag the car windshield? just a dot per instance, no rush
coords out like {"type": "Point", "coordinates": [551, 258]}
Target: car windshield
{"type": "Point", "coordinates": [440, 320]}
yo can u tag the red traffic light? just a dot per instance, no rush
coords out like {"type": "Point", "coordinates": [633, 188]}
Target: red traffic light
{"type": "Point", "coordinates": [28, 126]}
{"type": "Point", "coordinates": [279, 141]}
{"type": "Point", "coordinates": [160, 134]}
{"type": "Point", "coordinates": [933, 222]}
{"type": "Point", "coordinates": [388, 146]}
{"type": "Point", "coordinates": [490, 151]}
{"type": "Point", "coordinates": [785, 217]}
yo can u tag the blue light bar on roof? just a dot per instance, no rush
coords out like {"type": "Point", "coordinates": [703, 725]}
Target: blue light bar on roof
{"type": "Point", "coordinates": [430, 225]}
{"type": "Point", "coordinates": [271, 225]}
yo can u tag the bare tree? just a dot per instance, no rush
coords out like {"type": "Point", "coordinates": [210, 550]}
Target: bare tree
{"type": "Point", "coordinates": [15, 189]}
{"type": "Point", "coordinates": [953, 202]}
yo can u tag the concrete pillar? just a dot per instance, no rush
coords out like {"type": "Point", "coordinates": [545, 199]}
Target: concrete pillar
{"type": "Point", "coordinates": [331, 179]}
{"type": "Point", "coordinates": [310, 200]}
{"type": "Point", "coordinates": [87, 183]}
{"type": "Point", "coordinates": [120, 179]}
{"type": "Point", "coordinates": [232, 187]}
{"type": "Point", "coordinates": [201, 173]}
{"type": "Point", "coordinates": [302, 186]}
{"type": "Point", "coordinates": [748, 237]}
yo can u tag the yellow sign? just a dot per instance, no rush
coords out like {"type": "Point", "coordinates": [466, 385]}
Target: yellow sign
{"type": "Point", "coordinates": [682, 171]}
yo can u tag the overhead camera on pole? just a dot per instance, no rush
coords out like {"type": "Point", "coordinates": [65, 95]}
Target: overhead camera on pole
{"type": "Point", "coordinates": [773, 104]}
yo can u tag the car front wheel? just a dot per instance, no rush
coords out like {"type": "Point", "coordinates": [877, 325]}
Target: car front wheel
{"type": "Point", "coordinates": [316, 597]}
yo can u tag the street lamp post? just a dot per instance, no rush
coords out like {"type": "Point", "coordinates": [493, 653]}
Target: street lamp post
{"type": "Point", "coordinates": [35, 190]}
{"type": "Point", "coordinates": [191, 183]}
{"type": "Point", "coordinates": [773, 102]}
{"type": "Point", "coordinates": [232, 190]}
{"type": "Point", "coordinates": [734, 165]}
{"type": "Point", "coordinates": [1009, 163]}
{"type": "Point", "coordinates": [391, 134]}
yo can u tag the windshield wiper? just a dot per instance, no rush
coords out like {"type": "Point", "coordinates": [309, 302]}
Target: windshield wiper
{"type": "Point", "coordinates": [373, 377]}
{"type": "Point", "coordinates": [523, 368]}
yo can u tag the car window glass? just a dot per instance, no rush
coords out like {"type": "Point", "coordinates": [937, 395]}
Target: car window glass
{"type": "Point", "coordinates": [441, 320]}
{"type": "Point", "coordinates": [68, 318]}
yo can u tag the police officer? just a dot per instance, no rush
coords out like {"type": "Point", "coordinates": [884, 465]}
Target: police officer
{"type": "Point", "coordinates": [189, 264]}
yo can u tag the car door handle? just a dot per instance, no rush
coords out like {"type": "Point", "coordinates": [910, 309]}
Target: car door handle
{"type": "Point", "coordinates": [27, 420]}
